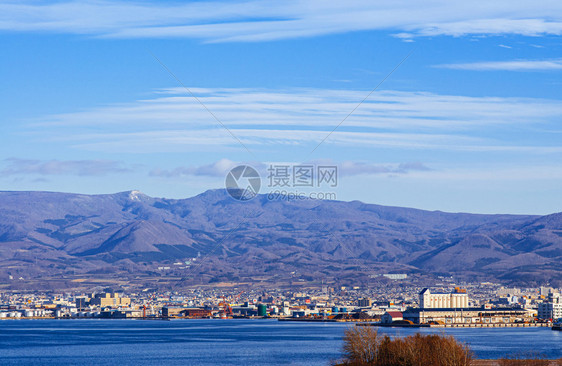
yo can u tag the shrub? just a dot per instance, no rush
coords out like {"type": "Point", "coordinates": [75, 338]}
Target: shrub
{"type": "Point", "coordinates": [364, 346]}
{"type": "Point", "coordinates": [361, 345]}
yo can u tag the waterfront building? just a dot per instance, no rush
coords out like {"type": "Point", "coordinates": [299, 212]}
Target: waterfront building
{"type": "Point", "coordinates": [456, 299]}
{"type": "Point", "coordinates": [468, 316]}
{"type": "Point", "coordinates": [551, 308]}
{"type": "Point", "coordinates": [170, 311]}
{"type": "Point", "coordinates": [391, 316]}
{"type": "Point", "coordinates": [110, 300]}
{"type": "Point", "coordinates": [195, 313]}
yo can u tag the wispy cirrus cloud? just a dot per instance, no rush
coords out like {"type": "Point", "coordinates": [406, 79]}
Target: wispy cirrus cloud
{"type": "Point", "coordinates": [350, 168]}
{"type": "Point", "coordinates": [169, 121]}
{"type": "Point", "coordinates": [515, 65]}
{"type": "Point", "coordinates": [310, 107]}
{"type": "Point", "coordinates": [270, 139]}
{"type": "Point", "coordinates": [17, 166]}
{"type": "Point", "coordinates": [270, 20]}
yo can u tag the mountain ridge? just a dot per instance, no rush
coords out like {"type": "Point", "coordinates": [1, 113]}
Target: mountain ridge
{"type": "Point", "coordinates": [130, 234]}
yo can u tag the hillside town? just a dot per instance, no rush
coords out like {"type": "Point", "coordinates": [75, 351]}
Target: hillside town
{"type": "Point", "coordinates": [448, 305]}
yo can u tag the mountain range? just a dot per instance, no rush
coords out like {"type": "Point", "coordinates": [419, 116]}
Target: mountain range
{"type": "Point", "coordinates": [212, 238]}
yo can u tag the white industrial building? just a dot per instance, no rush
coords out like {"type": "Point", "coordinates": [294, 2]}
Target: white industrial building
{"type": "Point", "coordinates": [456, 299]}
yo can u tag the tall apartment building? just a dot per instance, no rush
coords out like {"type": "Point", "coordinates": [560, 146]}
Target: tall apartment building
{"type": "Point", "coordinates": [364, 302]}
{"type": "Point", "coordinates": [456, 299]}
{"type": "Point", "coordinates": [551, 308]}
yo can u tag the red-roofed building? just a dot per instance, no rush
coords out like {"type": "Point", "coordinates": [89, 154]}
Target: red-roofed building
{"type": "Point", "coordinates": [391, 316]}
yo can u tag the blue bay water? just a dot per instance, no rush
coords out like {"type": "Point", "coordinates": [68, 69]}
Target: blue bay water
{"type": "Point", "coordinates": [222, 342]}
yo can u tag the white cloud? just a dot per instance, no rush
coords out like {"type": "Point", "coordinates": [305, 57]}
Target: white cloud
{"type": "Point", "coordinates": [302, 108]}
{"type": "Point", "coordinates": [349, 168]}
{"type": "Point", "coordinates": [345, 168]}
{"type": "Point", "coordinates": [213, 140]}
{"type": "Point", "coordinates": [62, 167]}
{"type": "Point", "coordinates": [269, 20]}
{"type": "Point", "coordinates": [486, 173]}
{"type": "Point", "coordinates": [516, 65]}
{"type": "Point", "coordinates": [520, 24]}
{"type": "Point", "coordinates": [216, 169]}
{"type": "Point", "coordinates": [263, 119]}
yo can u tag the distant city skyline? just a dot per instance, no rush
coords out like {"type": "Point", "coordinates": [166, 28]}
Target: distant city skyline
{"type": "Point", "coordinates": [98, 97]}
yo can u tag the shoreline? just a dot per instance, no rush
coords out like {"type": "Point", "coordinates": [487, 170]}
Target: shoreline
{"type": "Point", "coordinates": [477, 325]}
{"type": "Point", "coordinates": [495, 362]}
{"type": "Point", "coordinates": [357, 322]}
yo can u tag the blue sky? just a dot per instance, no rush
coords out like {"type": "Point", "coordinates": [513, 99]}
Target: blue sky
{"type": "Point", "coordinates": [471, 121]}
